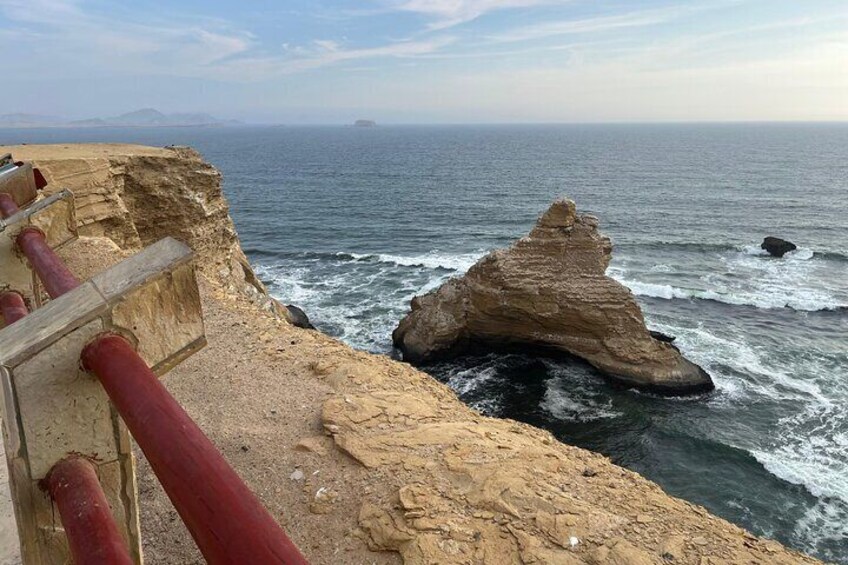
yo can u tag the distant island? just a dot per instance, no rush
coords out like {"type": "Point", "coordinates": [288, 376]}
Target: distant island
{"type": "Point", "coordinates": [146, 117]}
{"type": "Point", "coordinates": [365, 124]}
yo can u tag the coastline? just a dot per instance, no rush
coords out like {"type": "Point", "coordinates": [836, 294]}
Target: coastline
{"type": "Point", "coordinates": [402, 465]}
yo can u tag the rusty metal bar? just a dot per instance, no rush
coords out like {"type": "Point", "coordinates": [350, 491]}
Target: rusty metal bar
{"type": "Point", "coordinates": [226, 520]}
{"type": "Point", "coordinates": [92, 535]}
{"type": "Point", "coordinates": [12, 307]}
{"type": "Point", "coordinates": [8, 206]}
{"type": "Point", "coordinates": [51, 270]}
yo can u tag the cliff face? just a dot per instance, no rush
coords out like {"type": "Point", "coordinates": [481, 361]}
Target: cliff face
{"type": "Point", "coordinates": [550, 290]}
{"type": "Point", "coordinates": [361, 458]}
{"type": "Point", "coordinates": [135, 195]}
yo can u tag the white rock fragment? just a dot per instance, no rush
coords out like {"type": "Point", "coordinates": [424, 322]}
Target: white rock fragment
{"type": "Point", "coordinates": [297, 475]}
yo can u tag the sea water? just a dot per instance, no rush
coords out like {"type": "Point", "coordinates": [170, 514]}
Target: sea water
{"type": "Point", "coordinates": [351, 223]}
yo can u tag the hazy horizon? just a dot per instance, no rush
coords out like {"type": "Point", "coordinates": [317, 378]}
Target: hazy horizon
{"type": "Point", "coordinates": [416, 62]}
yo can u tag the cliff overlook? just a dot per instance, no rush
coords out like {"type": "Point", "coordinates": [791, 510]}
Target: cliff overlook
{"type": "Point", "coordinates": [361, 458]}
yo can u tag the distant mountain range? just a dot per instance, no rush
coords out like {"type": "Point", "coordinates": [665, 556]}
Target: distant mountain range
{"type": "Point", "coordinates": [147, 117]}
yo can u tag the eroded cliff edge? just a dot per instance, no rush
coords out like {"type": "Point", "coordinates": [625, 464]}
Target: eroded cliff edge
{"type": "Point", "coordinates": [550, 290]}
{"type": "Point", "coordinates": [354, 452]}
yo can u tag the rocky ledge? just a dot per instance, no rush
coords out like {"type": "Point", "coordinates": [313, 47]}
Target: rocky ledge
{"type": "Point", "coordinates": [550, 290]}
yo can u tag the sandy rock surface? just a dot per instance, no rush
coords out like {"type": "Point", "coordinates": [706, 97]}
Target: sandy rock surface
{"type": "Point", "coordinates": [549, 290]}
{"type": "Point", "coordinates": [366, 460]}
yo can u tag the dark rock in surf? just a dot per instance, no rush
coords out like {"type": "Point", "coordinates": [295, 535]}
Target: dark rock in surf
{"type": "Point", "coordinates": [298, 317]}
{"type": "Point", "coordinates": [659, 336]}
{"type": "Point", "coordinates": [777, 247]}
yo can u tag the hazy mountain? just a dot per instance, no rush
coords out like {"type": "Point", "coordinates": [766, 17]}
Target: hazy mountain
{"type": "Point", "coordinates": [146, 117]}
{"type": "Point", "coordinates": [150, 117]}
{"type": "Point", "coordinates": [28, 121]}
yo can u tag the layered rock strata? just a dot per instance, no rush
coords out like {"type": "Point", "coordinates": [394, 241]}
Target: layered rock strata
{"type": "Point", "coordinates": [549, 290]}
{"type": "Point", "coordinates": [135, 195]}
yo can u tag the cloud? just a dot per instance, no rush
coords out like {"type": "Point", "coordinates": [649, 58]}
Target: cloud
{"type": "Point", "coordinates": [449, 13]}
{"type": "Point", "coordinates": [587, 25]}
{"type": "Point", "coordinates": [324, 53]}
{"type": "Point", "coordinates": [64, 36]}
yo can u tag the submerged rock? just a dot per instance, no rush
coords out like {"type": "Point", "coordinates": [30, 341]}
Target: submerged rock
{"type": "Point", "coordinates": [549, 290]}
{"type": "Point", "coordinates": [777, 247]}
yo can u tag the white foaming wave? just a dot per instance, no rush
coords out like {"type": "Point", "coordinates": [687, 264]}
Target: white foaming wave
{"type": "Point", "coordinates": [469, 380]}
{"type": "Point", "coordinates": [459, 262]}
{"type": "Point", "coordinates": [564, 404]}
{"type": "Point", "coordinates": [749, 277]}
{"type": "Point", "coordinates": [754, 250]}
{"type": "Point", "coordinates": [799, 254]}
{"type": "Point", "coordinates": [811, 449]}
{"type": "Point", "coordinates": [764, 379]}
{"type": "Point", "coordinates": [826, 520]}
{"type": "Point", "coordinates": [805, 299]}
{"type": "Point", "coordinates": [290, 281]}
{"type": "Point", "coordinates": [569, 396]}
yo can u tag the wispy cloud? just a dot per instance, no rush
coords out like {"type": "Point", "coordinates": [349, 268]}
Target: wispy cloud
{"type": "Point", "coordinates": [449, 13]}
{"type": "Point", "coordinates": [587, 25]}
{"type": "Point", "coordinates": [200, 48]}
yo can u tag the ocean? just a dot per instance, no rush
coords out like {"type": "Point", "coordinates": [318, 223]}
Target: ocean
{"type": "Point", "coordinates": [351, 223]}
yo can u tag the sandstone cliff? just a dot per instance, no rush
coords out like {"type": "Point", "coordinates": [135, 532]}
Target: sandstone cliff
{"type": "Point", "coordinates": [549, 290]}
{"type": "Point", "coordinates": [135, 195]}
{"type": "Point", "coordinates": [363, 459]}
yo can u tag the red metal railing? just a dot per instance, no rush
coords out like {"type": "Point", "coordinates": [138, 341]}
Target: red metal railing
{"type": "Point", "coordinates": [228, 523]}
{"type": "Point", "coordinates": [12, 306]}
{"type": "Point", "coordinates": [93, 537]}
{"type": "Point", "coordinates": [8, 206]}
{"type": "Point", "coordinates": [54, 275]}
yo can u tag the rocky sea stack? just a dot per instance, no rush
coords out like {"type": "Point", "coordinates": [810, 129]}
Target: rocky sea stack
{"type": "Point", "coordinates": [549, 290]}
{"type": "Point", "coordinates": [777, 247]}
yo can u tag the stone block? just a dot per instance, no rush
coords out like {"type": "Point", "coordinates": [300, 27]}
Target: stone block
{"type": "Point", "coordinates": [18, 180]}
{"type": "Point", "coordinates": [54, 216]}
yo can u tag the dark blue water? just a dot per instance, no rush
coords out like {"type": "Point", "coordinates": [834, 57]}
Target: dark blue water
{"type": "Point", "coordinates": [350, 224]}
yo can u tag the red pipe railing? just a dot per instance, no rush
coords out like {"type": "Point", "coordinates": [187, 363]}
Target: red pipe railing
{"type": "Point", "coordinates": [226, 520]}
{"type": "Point", "coordinates": [228, 523]}
{"type": "Point", "coordinates": [12, 307]}
{"type": "Point", "coordinates": [51, 270]}
{"type": "Point", "coordinates": [93, 537]}
{"type": "Point", "coordinates": [8, 207]}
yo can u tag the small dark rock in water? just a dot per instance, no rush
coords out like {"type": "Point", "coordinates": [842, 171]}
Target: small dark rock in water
{"type": "Point", "coordinates": [777, 247]}
{"type": "Point", "coordinates": [659, 336]}
{"type": "Point", "coordinates": [299, 317]}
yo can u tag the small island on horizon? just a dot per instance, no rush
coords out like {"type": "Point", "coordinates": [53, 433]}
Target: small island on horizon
{"type": "Point", "coordinates": [365, 124]}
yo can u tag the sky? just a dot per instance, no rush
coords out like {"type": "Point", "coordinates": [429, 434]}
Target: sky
{"type": "Point", "coordinates": [429, 61]}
